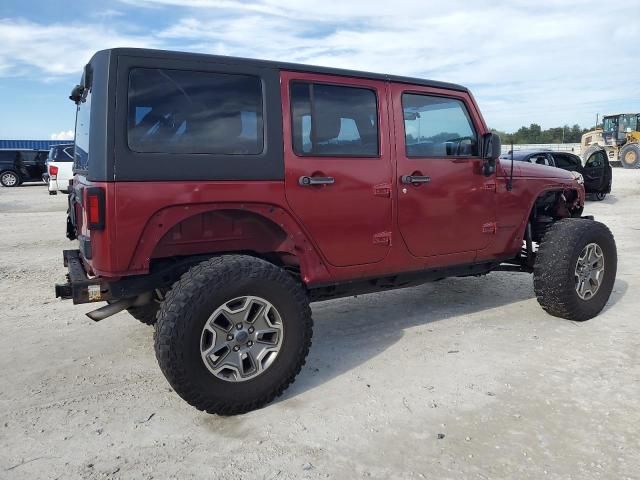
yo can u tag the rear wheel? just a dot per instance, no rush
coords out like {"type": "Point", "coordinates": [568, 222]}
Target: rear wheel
{"type": "Point", "coordinates": [630, 155]}
{"type": "Point", "coordinates": [575, 269]}
{"type": "Point", "coordinates": [233, 333]}
{"type": "Point", "coordinates": [9, 179]}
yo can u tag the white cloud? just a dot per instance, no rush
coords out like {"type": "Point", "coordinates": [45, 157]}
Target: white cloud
{"type": "Point", "coordinates": [63, 135]}
{"type": "Point", "coordinates": [58, 49]}
{"type": "Point", "coordinates": [550, 62]}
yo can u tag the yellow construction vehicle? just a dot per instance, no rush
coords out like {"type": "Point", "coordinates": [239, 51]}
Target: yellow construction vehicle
{"type": "Point", "coordinates": [619, 136]}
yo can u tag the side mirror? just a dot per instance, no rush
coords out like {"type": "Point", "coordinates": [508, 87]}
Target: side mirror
{"type": "Point", "coordinates": [76, 94]}
{"type": "Point", "coordinates": [491, 149]}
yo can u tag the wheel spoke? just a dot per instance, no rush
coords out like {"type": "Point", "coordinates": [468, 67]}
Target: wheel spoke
{"type": "Point", "coordinates": [241, 338]}
{"type": "Point", "coordinates": [269, 336]}
{"type": "Point", "coordinates": [589, 271]}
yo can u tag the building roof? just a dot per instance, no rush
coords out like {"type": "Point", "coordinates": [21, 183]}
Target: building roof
{"type": "Point", "coordinates": [31, 144]}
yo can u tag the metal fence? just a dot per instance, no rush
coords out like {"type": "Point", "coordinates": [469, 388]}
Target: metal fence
{"type": "Point", "coordinates": [556, 147]}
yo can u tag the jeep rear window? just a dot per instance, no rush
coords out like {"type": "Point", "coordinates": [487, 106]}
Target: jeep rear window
{"type": "Point", "coordinates": [437, 127]}
{"type": "Point", "coordinates": [332, 120]}
{"type": "Point", "coordinates": [180, 111]}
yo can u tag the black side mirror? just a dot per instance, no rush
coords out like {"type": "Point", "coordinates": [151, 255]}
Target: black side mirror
{"type": "Point", "coordinates": [491, 149]}
{"type": "Point", "coordinates": [76, 94]}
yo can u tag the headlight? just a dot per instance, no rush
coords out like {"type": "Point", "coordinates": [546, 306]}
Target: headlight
{"type": "Point", "coordinates": [578, 177]}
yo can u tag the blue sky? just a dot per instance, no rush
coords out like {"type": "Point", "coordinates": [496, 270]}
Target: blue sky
{"type": "Point", "coordinates": [549, 62]}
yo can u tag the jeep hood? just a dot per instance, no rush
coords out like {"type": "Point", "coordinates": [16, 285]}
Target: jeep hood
{"type": "Point", "coordinates": [530, 170]}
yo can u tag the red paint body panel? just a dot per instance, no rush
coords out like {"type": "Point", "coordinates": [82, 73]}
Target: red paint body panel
{"type": "Point", "coordinates": [342, 217]}
{"type": "Point", "coordinates": [363, 225]}
{"type": "Point", "coordinates": [445, 216]}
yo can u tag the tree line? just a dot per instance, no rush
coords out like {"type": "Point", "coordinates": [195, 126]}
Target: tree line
{"type": "Point", "coordinates": [535, 134]}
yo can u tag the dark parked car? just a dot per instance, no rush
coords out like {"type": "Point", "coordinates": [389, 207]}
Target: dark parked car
{"type": "Point", "coordinates": [596, 171]}
{"type": "Point", "coordinates": [18, 166]}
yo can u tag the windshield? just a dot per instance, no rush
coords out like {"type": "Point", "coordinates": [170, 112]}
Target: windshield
{"type": "Point", "coordinates": [610, 124]}
{"type": "Point", "coordinates": [628, 123]}
{"type": "Point", "coordinates": [81, 151]}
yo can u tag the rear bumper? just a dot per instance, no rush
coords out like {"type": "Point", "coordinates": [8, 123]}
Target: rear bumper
{"type": "Point", "coordinates": [79, 287]}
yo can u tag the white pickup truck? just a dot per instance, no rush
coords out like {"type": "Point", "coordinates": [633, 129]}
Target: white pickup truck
{"type": "Point", "coordinates": [60, 168]}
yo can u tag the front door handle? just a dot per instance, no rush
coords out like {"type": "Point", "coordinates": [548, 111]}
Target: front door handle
{"type": "Point", "coordinates": [411, 179]}
{"type": "Point", "coordinates": [306, 181]}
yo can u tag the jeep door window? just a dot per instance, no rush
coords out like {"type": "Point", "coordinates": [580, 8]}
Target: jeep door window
{"type": "Point", "coordinates": [333, 120]}
{"type": "Point", "coordinates": [437, 127]}
{"type": "Point", "coordinates": [180, 111]}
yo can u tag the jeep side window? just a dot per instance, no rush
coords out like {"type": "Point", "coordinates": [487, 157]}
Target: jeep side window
{"type": "Point", "coordinates": [332, 120]}
{"type": "Point", "coordinates": [180, 111]}
{"type": "Point", "coordinates": [437, 127]}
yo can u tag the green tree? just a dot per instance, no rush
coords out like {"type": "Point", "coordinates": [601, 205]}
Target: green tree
{"type": "Point", "coordinates": [534, 134]}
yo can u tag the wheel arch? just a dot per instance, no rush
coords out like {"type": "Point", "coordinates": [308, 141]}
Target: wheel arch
{"type": "Point", "coordinates": [261, 230]}
{"type": "Point", "coordinates": [559, 201]}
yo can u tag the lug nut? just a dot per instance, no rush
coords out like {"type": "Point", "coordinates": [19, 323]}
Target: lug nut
{"type": "Point", "coordinates": [249, 343]}
{"type": "Point", "coordinates": [229, 337]}
{"type": "Point", "coordinates": [236, 348]}
{"type": "Point", "coordinates": [251, 329]}
{"type": "Point", "coordinates": [239, 326]}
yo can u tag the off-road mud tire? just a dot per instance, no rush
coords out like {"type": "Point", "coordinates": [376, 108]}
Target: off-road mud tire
{"type": "Point", "coordinates": [554, 278]}
{"type": "Point", "coordinates": [189, 304]}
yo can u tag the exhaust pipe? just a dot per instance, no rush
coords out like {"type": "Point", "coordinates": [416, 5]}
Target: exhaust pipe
{"type": "Point", "coordinates": [116, 307]}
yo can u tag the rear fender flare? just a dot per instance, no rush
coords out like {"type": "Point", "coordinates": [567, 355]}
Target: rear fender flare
{"type": "Point", "coordinates": [291, 239]}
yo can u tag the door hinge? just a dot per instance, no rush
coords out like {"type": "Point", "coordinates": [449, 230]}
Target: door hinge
{"type": "Point", "coordinates": [382, 190]}
{"type": "Point", "coordinates": [382, 238]}
{"type": "Point", "coordinates": [490, 186]}
{"type": "Point", "coordinates": [490, 227]}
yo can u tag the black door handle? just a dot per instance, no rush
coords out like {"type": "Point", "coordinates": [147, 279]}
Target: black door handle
{"type": "Point", "coordinates": [306, 181]}
{"type": "Point", "coordinates": [410, 179]}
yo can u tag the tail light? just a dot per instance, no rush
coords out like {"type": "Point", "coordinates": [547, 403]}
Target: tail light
{"type": "Point", "coordinates": [53, 170]}
{"type": "Point", "coordinates": [95, 208]}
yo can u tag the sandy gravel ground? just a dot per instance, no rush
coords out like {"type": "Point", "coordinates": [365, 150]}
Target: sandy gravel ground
{"type": "Point", "coordinates": [465, 378]}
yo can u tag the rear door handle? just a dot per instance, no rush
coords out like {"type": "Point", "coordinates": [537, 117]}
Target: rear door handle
{"type": "Point", "coordinates": [306, 181]}
{"type": "Point", "coordinates": [410, 179]}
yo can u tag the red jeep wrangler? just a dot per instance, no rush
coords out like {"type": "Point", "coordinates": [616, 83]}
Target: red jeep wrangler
{"type": "Point", "coordinates": [217, 197]}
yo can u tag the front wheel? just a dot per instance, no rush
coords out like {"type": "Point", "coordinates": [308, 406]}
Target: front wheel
{"type": "Point", "coordinates": [233, 333]}
{"type": "Point", "coordinates": [575, 269]}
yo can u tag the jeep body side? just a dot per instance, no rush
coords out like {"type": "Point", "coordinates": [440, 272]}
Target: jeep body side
{"type": "Point", "coordinates": [322, 182]}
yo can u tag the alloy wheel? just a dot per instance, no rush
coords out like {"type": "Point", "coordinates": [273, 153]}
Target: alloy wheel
{"type": "Point", "coordinates": [589, 271]}
{"type": "Point", "coordinates": [241, 339]}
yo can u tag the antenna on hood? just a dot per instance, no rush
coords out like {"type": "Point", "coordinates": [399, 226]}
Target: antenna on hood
{"type": "Point", "coordinates": [510, 182]}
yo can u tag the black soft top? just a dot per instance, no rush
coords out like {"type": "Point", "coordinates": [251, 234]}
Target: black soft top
{"type": "Point", "coordinates": [296, 67]}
